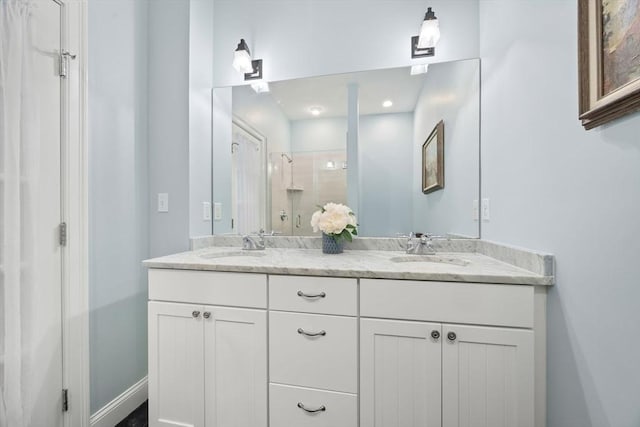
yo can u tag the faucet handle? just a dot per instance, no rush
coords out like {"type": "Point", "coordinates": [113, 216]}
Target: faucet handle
{"type": "Point", "coordinates": [436, 237]}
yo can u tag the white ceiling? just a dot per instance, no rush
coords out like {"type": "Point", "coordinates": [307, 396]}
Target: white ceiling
{"type": "Point", "coordinates": [296, 97]}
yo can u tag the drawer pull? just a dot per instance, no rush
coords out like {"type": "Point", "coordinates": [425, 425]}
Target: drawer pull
{"type": "Point", "coordinates": [320, 295]}
{"type": "Point", "coordinates": [312, 334]}
{"type": "Point", "coordinates": [311, 411]}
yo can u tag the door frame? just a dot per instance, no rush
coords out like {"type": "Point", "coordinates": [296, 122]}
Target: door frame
{"type": "Point", "coordinates": [75, 292]}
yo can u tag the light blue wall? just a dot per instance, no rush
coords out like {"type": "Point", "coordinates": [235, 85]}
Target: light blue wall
{"type": "Point", "coordinates": [262, 112]}
{"type": "Point", "coordinates": [305, 38]}
{"type": "Point", "coordinates": [386, 158]}
{"type": "Point", "coordinates": [451, 93]}
{"type": "Point", "coordinates": [556, 187]}
{"type": "Point", "coordinates": [321, 134]}
{"type": "Point", "coordinates": [169, 92]}
{"type": "Point", "coordinates": [200, 103]}
{"type": "Point", "coordinates": [118, 195]}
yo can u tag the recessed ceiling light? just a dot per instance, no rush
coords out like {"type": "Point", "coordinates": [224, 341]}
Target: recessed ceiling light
{"type": "Point", "coordinates": [316, 110]}
{"type": "Point", "coordinates": [387, 103]}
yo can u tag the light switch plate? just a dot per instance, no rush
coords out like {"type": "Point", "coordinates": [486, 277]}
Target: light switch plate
{"type": "Point", "coordinates": [217, 211]}
{"type": "Point", "coordinates": [206, 211]}
{"type": "Point", "coordinates": [486, 210]}
{"type": "Point", "coordinates": [476, 210]}
{"type": "Point", "coordinates": [163, 202]}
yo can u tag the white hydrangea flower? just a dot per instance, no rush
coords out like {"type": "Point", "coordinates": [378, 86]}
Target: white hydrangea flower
{"type": "Point", "coordinates": [333, 218]}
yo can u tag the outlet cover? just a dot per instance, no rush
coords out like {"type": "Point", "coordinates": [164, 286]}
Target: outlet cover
{"type": "Point", "coordinates": [217, 211]}
{"type": "Point", "coordinates": [206, 211]}
{"type": "Point", "coordinates": [486, 210]}
{"type": "Point", "coordinates": [163, 202]}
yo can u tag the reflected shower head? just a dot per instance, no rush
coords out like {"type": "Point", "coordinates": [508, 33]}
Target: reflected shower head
{"type": "Point", "coordinates": [286, 156]}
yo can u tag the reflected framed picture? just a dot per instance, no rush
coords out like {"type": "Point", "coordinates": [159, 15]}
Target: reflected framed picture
{"type": "Point", "coordinates": [433, 160]}
{"type": "Point", "coordinates": [609, 59]}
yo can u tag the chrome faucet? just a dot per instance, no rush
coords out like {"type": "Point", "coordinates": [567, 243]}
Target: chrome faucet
{"type": "Point", "coordinates": [250, 243]}
{"type": "Point", "coordinates": [422, 245]}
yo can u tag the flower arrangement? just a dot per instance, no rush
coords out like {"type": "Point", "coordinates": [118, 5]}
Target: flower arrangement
{"type": "Point", "coordinates": [335, 220]}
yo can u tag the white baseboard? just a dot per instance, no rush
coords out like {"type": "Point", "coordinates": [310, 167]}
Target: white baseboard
{"type": "Point", "coordinates": [118, 409]}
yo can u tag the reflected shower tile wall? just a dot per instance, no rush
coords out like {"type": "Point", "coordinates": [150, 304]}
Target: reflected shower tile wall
{"type": "Point", "coordinates": [319, 183]}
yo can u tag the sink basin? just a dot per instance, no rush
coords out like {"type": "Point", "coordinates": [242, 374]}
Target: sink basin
{"type": "Point", "coordinates": [233, 254]}
{"type": "Point", "coordinates": [434, 259]}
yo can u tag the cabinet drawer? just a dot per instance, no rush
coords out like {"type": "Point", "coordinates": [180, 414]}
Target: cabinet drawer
{"type": "Point", "coordinates": [474, 303]}
{"type": "Point", "coordinates": [208, 287]}
{"type": "Point", "coordinates": [326, 361]}
{"type": "Point", "coordinates": [322, 295]}
{"type": "Point", "coordinates": [341, 409]}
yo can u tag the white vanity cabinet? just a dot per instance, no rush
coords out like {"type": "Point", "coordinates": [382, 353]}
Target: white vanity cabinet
{"type": "Point", "coordinates": [429, 373]}
{"type": "Point", "coordinates": [258, 350]}
{"type": "Point", "coordinates": [207, 363]}
{"type": "Point", "coordinates": [313, 351]}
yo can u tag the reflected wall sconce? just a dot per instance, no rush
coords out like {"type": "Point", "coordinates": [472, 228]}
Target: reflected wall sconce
{"type": "Point", "coordinates": [419, 69]}
{"type": "Point", "coordinates": [424, 44]}
{"type": "Point", "coordinates": [242, 62]}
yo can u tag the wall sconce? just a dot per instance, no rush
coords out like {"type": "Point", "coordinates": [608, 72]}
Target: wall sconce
{"type": "Point", "coordinates": [242, 62]}
{"type": "Point", "coordinates": [424, 44]}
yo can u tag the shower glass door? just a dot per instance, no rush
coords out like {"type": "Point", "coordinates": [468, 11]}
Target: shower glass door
{"type": "Point", "coordinates": [300, 183]}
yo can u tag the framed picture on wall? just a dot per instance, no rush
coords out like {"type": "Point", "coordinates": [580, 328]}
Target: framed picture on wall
{"type": "Point", "coordinates": [609, 59]}
{"type": "Point", "coordinates": [433, 160]}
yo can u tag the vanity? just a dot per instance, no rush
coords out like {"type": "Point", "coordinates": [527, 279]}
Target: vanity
{"type": "Point", "coordinates": [372, 337]}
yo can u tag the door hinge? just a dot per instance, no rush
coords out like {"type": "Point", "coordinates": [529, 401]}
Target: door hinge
{"type": "Point", "coordinates": [62, 233]}
{"type": "Point", "coordinates": [63, 63]}
{"type": "Point", "coordinates": [65, 400]}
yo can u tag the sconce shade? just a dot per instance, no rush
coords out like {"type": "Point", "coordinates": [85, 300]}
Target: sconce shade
{"type": "Point", "coordinates": [430, 31]}
{"type": "Point", "coordinates": [419, 69]}
{"type": "Point", "coordinates": [242, 58]}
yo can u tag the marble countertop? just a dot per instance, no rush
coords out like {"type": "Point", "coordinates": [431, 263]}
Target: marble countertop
{"type": "Point", "coordinates": [375, 264]}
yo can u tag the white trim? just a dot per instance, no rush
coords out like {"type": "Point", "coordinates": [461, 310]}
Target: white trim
{"type": "Point", "coordinates": [118, 409]}
{"type": "Point", "coordinates": [75, 207]}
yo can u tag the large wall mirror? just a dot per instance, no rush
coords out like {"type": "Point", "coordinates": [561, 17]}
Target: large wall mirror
{"type": "Point", "coordinates": [352, 138]}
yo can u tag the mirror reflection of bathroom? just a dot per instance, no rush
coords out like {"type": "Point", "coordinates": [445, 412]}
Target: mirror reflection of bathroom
{"type": "Point", "coordinates": [300, 182]}
{"type": "Point", "coordinates": [317, 148]}
{"type": "Point", "coordinates": [248, 177]}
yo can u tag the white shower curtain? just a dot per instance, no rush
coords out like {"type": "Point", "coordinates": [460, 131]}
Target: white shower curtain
{"type": "Point", "coordinates": [249, 184]}
{"type": "Point", "coordinates": [19, 161]}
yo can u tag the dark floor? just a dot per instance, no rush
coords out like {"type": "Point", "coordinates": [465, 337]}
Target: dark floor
{"type": "Point", "coordinates": [138, 418]}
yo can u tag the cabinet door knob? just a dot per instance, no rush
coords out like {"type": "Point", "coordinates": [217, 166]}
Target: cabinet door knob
{"type": "Point", "coordinates": [435, 334]}
{"type": "Point", "coordinates": [312, 334]}
{"type": "Point", "coordinates": [311, 411]}
{"type": "Point", "coordinates": [195, 313]}
{"type": "Point", "coordinates": [451, 336]}
{"type": "Point", "coordinates": [206, 314]}
{"type": "Point", "coordinates": [320, 295]}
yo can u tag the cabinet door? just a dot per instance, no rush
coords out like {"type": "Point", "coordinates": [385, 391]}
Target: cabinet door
{"type": "Point", "coordinates": [176, 364]}
{"type": "Point", "coordinates": [235, 367]}
{"type": "Point", "coordinates": [400, 374]}
{"type": "Point", "coordinates": [487, 377]}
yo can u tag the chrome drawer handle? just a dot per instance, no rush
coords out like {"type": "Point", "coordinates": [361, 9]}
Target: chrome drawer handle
{"type": "Point", "coordinates": [312, 334]}
{"type": "Point", "coordinates": [311, 411]}
{"type": "Point", "coordinates": [320, 295]}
